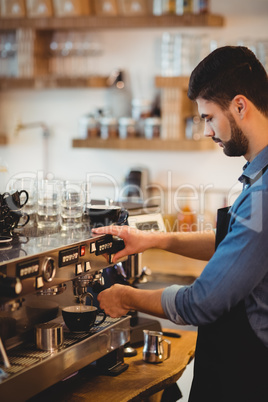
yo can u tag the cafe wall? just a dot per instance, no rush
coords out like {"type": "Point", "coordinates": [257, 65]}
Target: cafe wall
{"type": "Point", "coordinates": [137, 52]}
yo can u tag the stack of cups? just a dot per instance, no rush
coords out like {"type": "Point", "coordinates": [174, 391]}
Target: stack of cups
{"type": "Point", "coordinates": [27, 183]}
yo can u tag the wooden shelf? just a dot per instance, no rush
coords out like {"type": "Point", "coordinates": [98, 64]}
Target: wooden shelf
{"type": "Point", "coordinates": [101, 22]}
{"type": "Point", "coordinates": [44, 27]}
{"type": "Point", "coordinates": [53, 82]}
{"type": "Point", "coordinates": [172, 82]}
{"type": "Point", "coordinates": [144, 145]}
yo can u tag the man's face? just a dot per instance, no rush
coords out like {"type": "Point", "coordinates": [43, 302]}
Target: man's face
{"type": "Point", "coordinates": [222, 128]}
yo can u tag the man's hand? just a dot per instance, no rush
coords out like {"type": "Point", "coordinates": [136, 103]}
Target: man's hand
{"type": "Point", "coordinates": [112, 301]}
{"type": "Point", "coordinates": [136, 241]}
{"type": "Point", "coordinates": [119, 299]}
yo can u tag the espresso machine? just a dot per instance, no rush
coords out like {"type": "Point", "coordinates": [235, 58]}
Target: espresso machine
{"type": "Point", "coordinates": [39, 276]}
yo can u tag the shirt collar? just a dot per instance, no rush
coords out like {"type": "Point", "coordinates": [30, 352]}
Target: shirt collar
{"type": "Point", "coordinates": [252, 170]}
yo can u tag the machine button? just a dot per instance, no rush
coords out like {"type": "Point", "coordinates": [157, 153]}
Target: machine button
{"type": "Point", "coordinates": [92, 247]}
{"type": "Point", "coordinates": [39, 283]}
{"type": "Point", "coordinates": [87, 266]}
{"type": "Point", "coordinates": [82, 251]}
{"type": "Point", "coordinates": [78, 269]}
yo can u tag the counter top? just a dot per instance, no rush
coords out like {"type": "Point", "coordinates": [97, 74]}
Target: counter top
{"type": "Point", "coordinates": [164, 262]}
{"type": "Point", "coordinates": [141, 380]}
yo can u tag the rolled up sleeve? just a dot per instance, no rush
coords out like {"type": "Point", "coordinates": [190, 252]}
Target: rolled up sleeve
{"type": "Point", "coordinates": [168, 302]}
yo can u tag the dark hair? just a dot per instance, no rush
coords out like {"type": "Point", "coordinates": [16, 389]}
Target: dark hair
{"type": "Point", "coordinates": [229, 71]}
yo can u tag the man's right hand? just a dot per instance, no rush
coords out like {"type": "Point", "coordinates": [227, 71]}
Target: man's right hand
{"type": "Point", "coordinates": [136, 241]}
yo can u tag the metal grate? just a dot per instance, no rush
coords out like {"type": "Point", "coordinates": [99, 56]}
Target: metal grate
{"type": "Point", "coordinates": [26, 355]}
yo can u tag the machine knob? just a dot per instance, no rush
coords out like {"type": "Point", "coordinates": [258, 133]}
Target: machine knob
{"type": "Point", "coordinates": [48, 269]}
{"type": "Point", "coordinates": [10, 287]}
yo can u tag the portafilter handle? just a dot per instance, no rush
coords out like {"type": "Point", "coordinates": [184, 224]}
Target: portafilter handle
{"type": "Point", "coordinates": [84, 296]}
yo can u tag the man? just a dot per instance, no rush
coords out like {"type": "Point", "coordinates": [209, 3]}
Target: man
{"type": "Point", "coordinates": [229, 301]}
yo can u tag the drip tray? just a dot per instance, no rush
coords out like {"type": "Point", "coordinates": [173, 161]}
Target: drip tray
{"type": "Point", "coordinates": [41, 369]}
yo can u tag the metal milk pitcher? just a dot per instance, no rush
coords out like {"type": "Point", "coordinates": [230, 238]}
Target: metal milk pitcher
{"type": "Point", "coordinates": [153, 350]}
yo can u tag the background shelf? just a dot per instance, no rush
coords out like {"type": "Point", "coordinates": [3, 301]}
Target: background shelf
{"type": "Point", "coordinates": [54, 82]}
{"type": "Point", "coordinates": [145, 145]}
{"type": "Point", "coordinates": [99, 22]}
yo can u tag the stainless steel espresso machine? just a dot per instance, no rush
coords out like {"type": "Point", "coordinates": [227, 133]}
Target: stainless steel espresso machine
{"type": "Point", "coordinates": [40, 275]}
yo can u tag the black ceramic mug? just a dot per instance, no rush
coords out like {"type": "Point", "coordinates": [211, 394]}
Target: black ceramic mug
{"type": "Point", "coordinates": [13, 220]}
{"type": "Point", "coordinates": [13, 201]}
{"type": "Point", "coordinates": [101, 215]}
{"type": "Point", "coordinates": [11, 216]}
{"type": "Point", "coordinates": [81, 318]}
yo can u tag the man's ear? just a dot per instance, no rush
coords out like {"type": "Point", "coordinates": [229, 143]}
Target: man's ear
{"type": "Point", "coordinates": [239, 106]}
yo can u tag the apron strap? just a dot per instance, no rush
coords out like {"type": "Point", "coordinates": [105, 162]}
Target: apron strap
{"type": "Point", "coordinates": [223, 220]}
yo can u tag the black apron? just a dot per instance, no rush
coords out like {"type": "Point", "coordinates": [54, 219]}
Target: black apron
{"type": "Point", "coordinates": [231, 363]}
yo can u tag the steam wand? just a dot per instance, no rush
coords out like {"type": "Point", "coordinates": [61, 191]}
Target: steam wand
{"type": "Point", "coordinates": [4, 355]}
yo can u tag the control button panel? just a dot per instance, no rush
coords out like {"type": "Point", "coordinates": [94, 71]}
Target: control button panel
{"type": "Point", "coordinates": [27, 269]}
{"type": "Point", "coordinates": [68, 257]}
{"type": "Point", "coordinates": [109, 244]}
{"type": "Point", "coordinates": [103, 246]}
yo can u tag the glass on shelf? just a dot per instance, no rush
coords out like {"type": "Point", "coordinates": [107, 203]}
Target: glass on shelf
{"type": "Point", "coordinates": [8, 54]}
{"type": "Point", "coordinates": [16, 53]}
{"type": "Point", "coordinates": [74, 53]}
{"type": "Point", "coordinates": [180, 53]}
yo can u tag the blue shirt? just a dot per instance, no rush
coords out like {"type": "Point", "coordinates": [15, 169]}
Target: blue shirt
{"type": "Point", "coordinates": [238, 269]}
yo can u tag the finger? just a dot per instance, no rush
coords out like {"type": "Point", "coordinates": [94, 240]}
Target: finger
{"type": "Point", "coordinates": [118, 255]}
{"type": "Point", "coordinates": [101, 230]}
{"type": "Point", "coordinates": [113, 230]}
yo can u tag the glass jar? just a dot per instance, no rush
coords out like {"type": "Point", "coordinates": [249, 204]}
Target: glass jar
{"type": "Point", "coordinates": [168, 6]}
{"type": "Point", "coordinates": [204, 6]}
{"type": "Point", "coordinates": [141, 108]}
{"type": "Point", "coordinates": [157, 7]}
{"type": "Point", "coordinates": [152, 128]}
{"type": "Point", "coordinates": [88, 127]}
{"type": "Point", "coordinates": [108, 127]}
{"type": "Point", "coordinates": [187, 6]}
{"type": "Point", "coordinates": [127, 127]}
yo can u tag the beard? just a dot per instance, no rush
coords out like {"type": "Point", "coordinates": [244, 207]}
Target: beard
{"type": "Point", "coordinates": [238, 144]}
